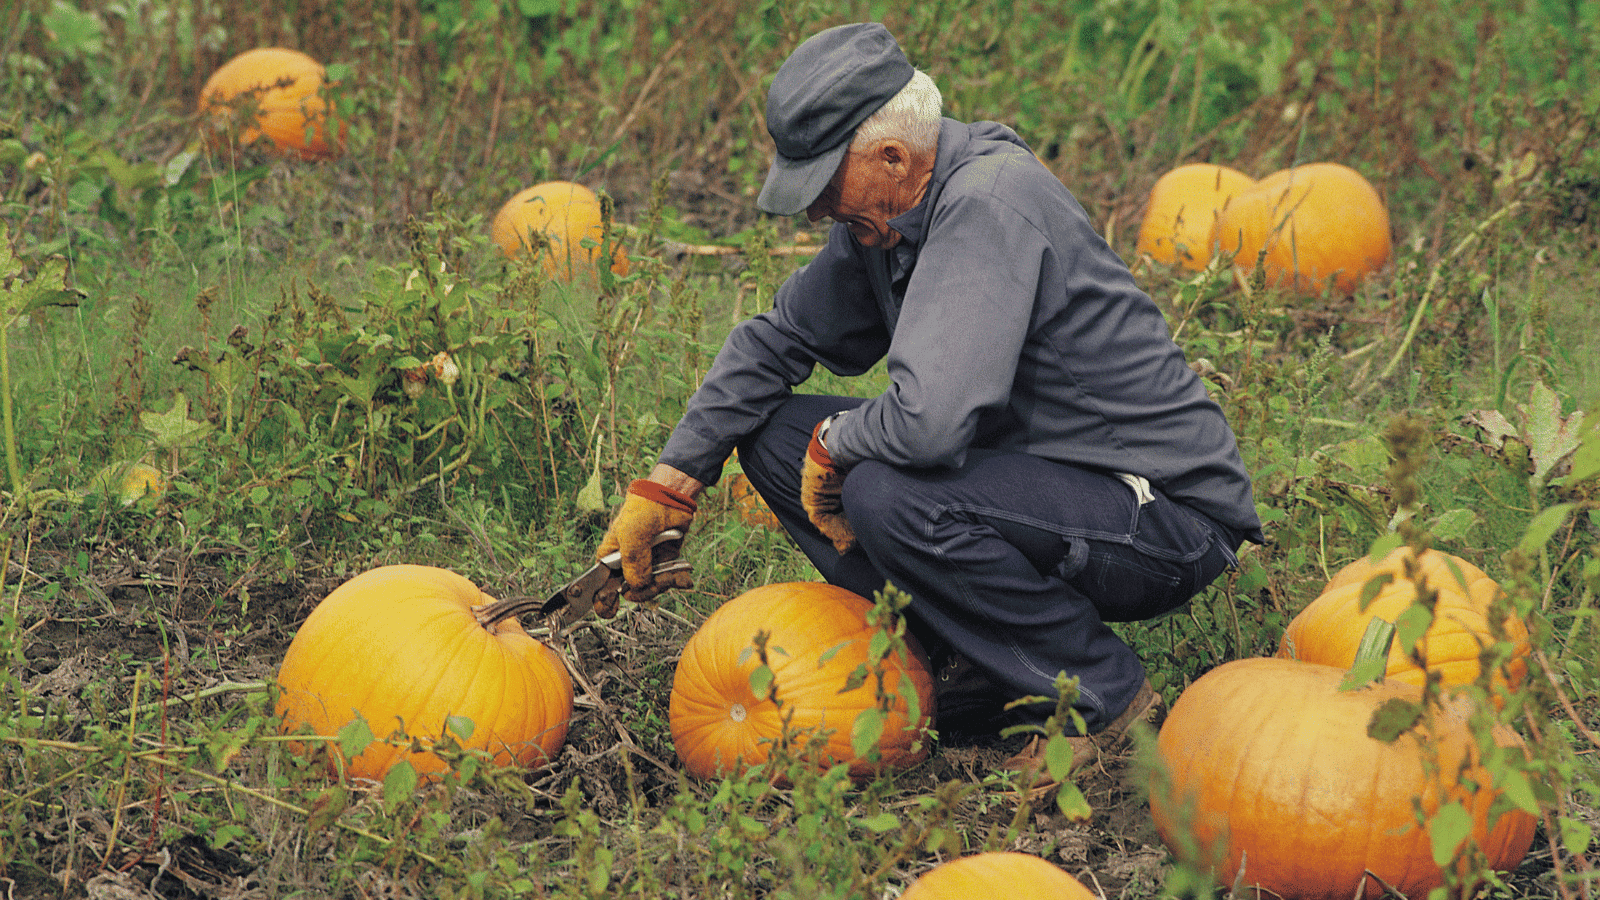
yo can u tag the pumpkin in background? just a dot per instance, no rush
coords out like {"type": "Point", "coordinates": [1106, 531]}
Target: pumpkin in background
{"type": "Point", "coordinates": [1270, 767]}
{"type": "Point", "coordinates": [1329, 629]}
{"type": "Point", "coordinates": [752, 509]}
{"type": "Point", "coordinates": [408, 647]}
{"type": "Point", "coordinates": [566, 214]}
{"type": "Point", "coordinates": [986, 875]}
{"type": "Point", "coordinates": [1183, 206]}
{"type": "Point", "coordinates": [280, 94]}
{"type": "Point", "coordinates": [818, 635]}
{"type": "Point", "coordinates": [1317, 222]}
{"type": "Point", "coordinates": [129, 482]}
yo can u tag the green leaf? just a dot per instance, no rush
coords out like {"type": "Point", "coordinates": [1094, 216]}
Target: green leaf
{"type": "Point", "coordinates": [174, 428]}
{"type": "Point", "coordinates": [1449, 828]}
{"type": "Point", "coordinates": [1058, 757]}
{"type": "Point", "coordinates": [399, 784]}
{"type": "Point", "coordinates": [1586, 461]}
{"type": "Point", "coordinates": [355, 737]}
{"type": "Point", "coordinates": [600, 872]}
{"type": "Point", "coordinates": [761, 681]}
{"type": "Point", "coordinates": [1072, 803]}
{"type": "Point", "coordinates": [1394, 718]}
{"type": "Point", "coordinates": [1575, 835]}
{"type": "Point", "coordinates": [1543, 527]}
{"type": "Point", "coordinates": [592, 498]}
{"type": "Point", "coordinates": [1410, 626]}
{"type": "Point", "coordinates": [1550, 437]}
{"type": "Point", "coordinates": [460, 726]}
{"type": "Point", "coordinates": [327, 807]}
{"type": "Point", "coordinates": [881, 823]}
{"type": "Point", "coordinates": [1451, 527]}
{"type": "Point", "coordinates": [1516, 788]}
{"type": "Point", "coordinates": [866, 731]}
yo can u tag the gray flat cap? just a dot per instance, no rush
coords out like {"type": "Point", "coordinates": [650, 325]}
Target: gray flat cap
{"type": "Point", "coordinates": [826, 88]}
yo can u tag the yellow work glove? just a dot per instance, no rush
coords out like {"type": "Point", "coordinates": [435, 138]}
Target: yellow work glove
{"type": "Point", "coordinates": [820, 485]}
{"type": "Point", "coordinates": [648, 509]}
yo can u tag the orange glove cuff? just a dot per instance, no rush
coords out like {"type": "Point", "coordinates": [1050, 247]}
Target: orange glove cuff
{"type": "Point", "coordinates": [660, 493]}
{"type": "Point", "coordinates": [817, 452]}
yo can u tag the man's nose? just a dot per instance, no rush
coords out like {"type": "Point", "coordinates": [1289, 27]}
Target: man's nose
{"type": "Point", "coordinates": [818, 210]}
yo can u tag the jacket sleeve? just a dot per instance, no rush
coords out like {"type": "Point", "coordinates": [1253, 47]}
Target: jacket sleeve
{"type": "Point", "coordinates": [965, 317]}
{"type": "Point", "coordinates": [823, 314]}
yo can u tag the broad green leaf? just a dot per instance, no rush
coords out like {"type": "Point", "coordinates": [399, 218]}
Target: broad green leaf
{"type": "Point", "coordinates": [1543, 528]}
{"type": "Point", "coordinates": [881, 823]}
{"type": "Point", "coordinates": [1575, 835]}
{"type": "Point", "coordinates": [1549, 436]}
{"type": "Point", "coordinates": [1072, 803]}
{"type": "Point", "coordinates": [1586, 461]}
{"type": "Point", "coordinates": [460, 726]}
{"type": "Point", "coordinates": [600, 873]}
{"type": "Point", "coordinates": [1392, 719]}
{"type": "Point", "coordinates": [1516, 787]}
{"type": "Point", "coordinates": [1411, 625]}
{"type": "Point", "coordinates": [1449, 828]}
{"type": "Point", "coordinates": [592, 497]}
{"type": "Point", "coordinates": [355, 737]}
{"type": "Point", "coordinates": [174, 428]}
{"type": "Point", "coordinates": [866, 731]}
{"type": "Point", "coordinates": [1451, 527]}
{"type": "Point", "coordinates": [399, 784]}
{"type": "Point", "coordinates": [761, 681]}
{"type": "Point", "coordinates": [327, 807]}
{"type": "Point", "coordinates": [1058, 757]}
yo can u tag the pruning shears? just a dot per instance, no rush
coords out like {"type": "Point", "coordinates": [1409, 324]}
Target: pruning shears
{"type": "Point", "coordinates": [601, 584]}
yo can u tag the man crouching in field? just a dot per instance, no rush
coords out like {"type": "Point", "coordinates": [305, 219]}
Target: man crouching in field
{"type": "Point", "coordinates": [1043, 462]}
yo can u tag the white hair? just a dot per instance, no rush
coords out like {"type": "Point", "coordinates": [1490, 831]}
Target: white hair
{"type": "Point", "coordinates": [912, 115]}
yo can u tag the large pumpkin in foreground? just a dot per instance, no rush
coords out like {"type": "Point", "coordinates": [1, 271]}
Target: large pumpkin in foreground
{"type": "Point", "coordinates": [992, 875]}
{"type": "Point", "coordinates": [275, 93]}
{"type": "Point", "coordinates": [1318, 222]}
{"type": "Point", "coordinates": [566, 215]}
{"type": "Point", "coordinates": [1329, 629]}
{"type": "Point", "coordinates": [1272, 772]}
{"type": "Point", "coordinates": [1184, 205]}
{"type": "Point", "coordinates": [403, 648]}
{"type": "Point", "coordinates": [818, 636]}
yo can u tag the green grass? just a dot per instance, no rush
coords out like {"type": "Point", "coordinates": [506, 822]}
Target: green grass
{"type": "Point", "coordinates": [296, 459]}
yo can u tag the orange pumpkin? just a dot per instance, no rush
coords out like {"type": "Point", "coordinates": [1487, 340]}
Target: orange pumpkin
{"type": "Point", "coordinates": [996, 875]}
{"type": "Point", "coordinates": [818, 635]}
{"type": "Point", "coordinates": [280, 94]}
{"type": "Point", "coordinates": [1329, 629]}
{"type": "Point", "coordinates": [752, 509]}
{"type": "Point", "coordinates": [566, 214]}
{"type": "Point", "coordinates": [409, 647]}
{"type": "Point", "coordinates": [1183, 206]}
{"type": "Point", "coordinates": [1317, 222]}
{"type": "Point", "coordinates": [1274, 779]}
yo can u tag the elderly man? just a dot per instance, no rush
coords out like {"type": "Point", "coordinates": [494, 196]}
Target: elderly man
{"type": "Point", "coordinates": [1043, 461]}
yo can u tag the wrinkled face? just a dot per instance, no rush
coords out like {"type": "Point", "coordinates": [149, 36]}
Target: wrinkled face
{"type": "Point", "coordinates": [871, 187]}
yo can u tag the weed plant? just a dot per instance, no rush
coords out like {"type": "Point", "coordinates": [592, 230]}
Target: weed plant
{"type": "Point", "coordinates": [332, 368]}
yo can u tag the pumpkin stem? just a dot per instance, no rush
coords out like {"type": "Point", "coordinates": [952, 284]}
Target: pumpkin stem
{"type": "Point", "coordinates": [491, 614]}
{"type": "Point", "coordinates": [1372, 655]}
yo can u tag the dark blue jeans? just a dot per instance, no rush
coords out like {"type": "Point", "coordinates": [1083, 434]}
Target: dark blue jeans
{"type": "Point", "coordinates": [1015, 562]}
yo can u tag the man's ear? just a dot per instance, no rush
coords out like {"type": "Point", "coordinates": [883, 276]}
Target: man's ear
{"type": "Point", "coordinates": [895, 155]}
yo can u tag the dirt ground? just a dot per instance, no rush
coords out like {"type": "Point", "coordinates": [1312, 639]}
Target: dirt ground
{"type": "Point", "coordinates": [93, 635]}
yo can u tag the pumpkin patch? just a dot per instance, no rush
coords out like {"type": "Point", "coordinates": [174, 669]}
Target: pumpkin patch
{"type": "Point", "coordinates": [818, 635]}
{"type": "Point", "coordinates": [403, 648]}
